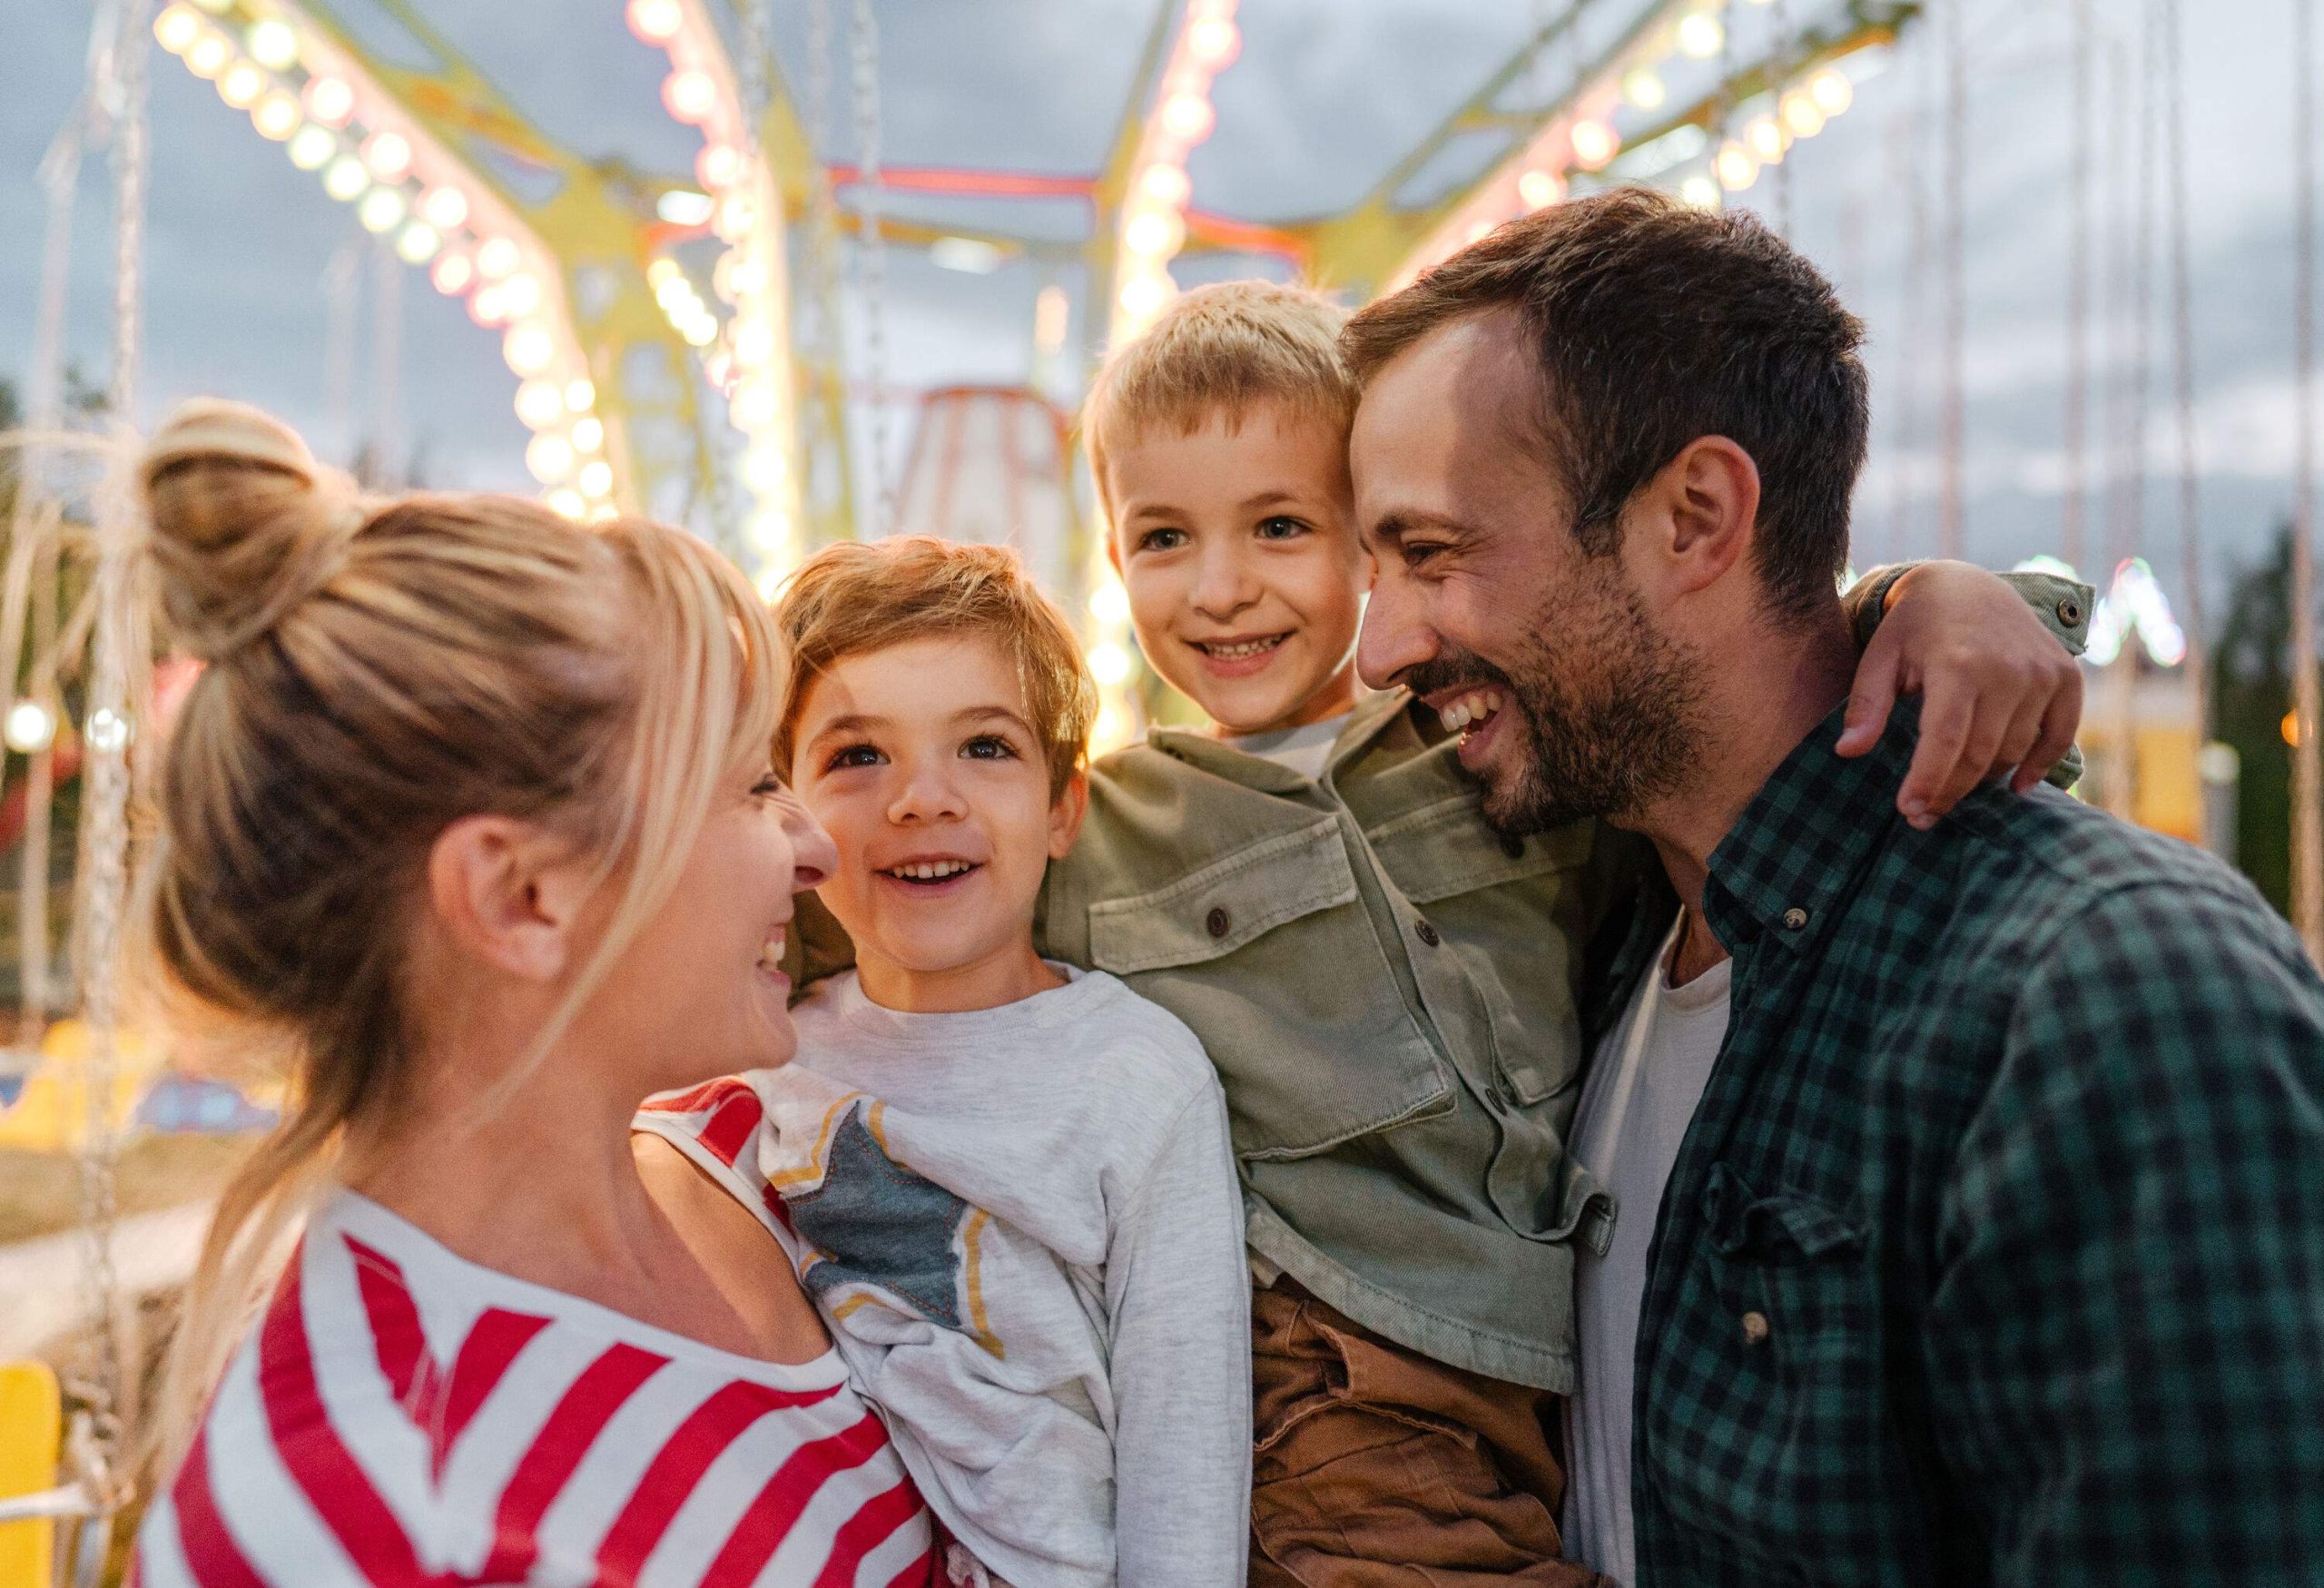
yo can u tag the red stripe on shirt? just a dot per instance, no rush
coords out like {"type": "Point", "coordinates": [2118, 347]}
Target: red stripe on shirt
{"type": "Point", "coordinates": [484, 1356]}
{"type": "Point", "coordinates": [310, 1448]}
{"type": "Point", "coordinates": [728, 1131]}
{"type": "Point", "coordinates": [602, 1388]}
{"type": "Point", "coordinates": [778, 1506]}
{"type": "Point", "coordinates": [679, 1464]}
{"type": "Point", "coordinates": [866, 1531]}
{"type": "Point", "coordinates": [211, 1555]}
{"type": "Point", "coordinates": [694, 1100]}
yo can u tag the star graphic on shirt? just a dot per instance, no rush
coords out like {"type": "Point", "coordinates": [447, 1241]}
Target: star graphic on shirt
{"type": "Point", "coordinates": [876, 1223]}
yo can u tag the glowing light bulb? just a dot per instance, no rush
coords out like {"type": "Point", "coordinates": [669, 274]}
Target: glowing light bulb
{"type": "Point", "coordinates": [718, 165]}
{"type": "Point", "coordinates": [1214, 42]}
{"type": "Point", "coordinates": [1766, 139]}
{"type": "Point", "coordinates": [241, 84]}
{"type": "Point", "coordinates": [497, 257]}
{"type": "Point", "coordinates": [770, 532]}
{"type": "Point", "coordinates": [597, 478]}
{"type": "Point", "coordinates": [689, 96]}
{"type": "Point", "coordinates": [1167, 185]}
{"type": "Point", "coordinates": [1539, 188]}
{"type": "Point", "coordinates": [32, 727]}
{"type": "Point", "coordinates": [540, 403]}
{"type": "Point", "coordinates": [273, 44]}
{"type": "Point", "coordinates": [521, 294]}
{"type": "Point", "coordinates": [1477, 233]}
{"type": "Point", "coordinates": [329, 101]}
{"type": "Point", "coordinates": [1111, 730]}
{"type": "Point", "coordinates": [1735, 168]}
{"type": "Point", "coordinates": [734, 218]}
{"type": "Point", "coordinates": [175, 29]}
{"type": "Point", "coordinates": [1832, 92]}
{"type": "Point", "coordinates": [312, 147]}
{"type": "Point", "coordinates": [567, 503]}
{"type": "Point", "coordinates": [444, 207]}
{"type": "Point", "coordinates": [485, 307]}
{"type": "Point", "coordinates": [107, 731]}
{"type": "Point", "coordinates": [1644, 88]}
{"type": "Point", "coordinates": [382, 210]}
{"type": "Point", "coordinates": [699, 329]}
{"type": "Point", "coordinates": [1155, 232]}
{"type": "Point", "coordinates": [765, 469]}
{"type": "Point", "coordinates": [588, 434]}
{"type": "Point", "coordinates": [1142, 296]}
{"type": "Point", "coordinates": [580, 396]}
{"type": "Point", "coordinates": [276, 116]}
{"type": "Point", "coordinates": [1188, 117]}
{"type": "Point", "coordinates": [1109, 604]}
{"type": "Point", "coordinates": [550, 458]}
{"type": "Point", "coordinates": [529, 349]}
{"type": "Point", "coordinates": [655, 21]}
{"type": "Point", "coordinates": [1594, 143]}
{"type": "Point", "coordinates": [1802, 115]}
{"type": "Point", "coordinates": [389, 154]}
{"type": "Point", "coordinates": [209, 55]}
{"type": "Point", "coordinates": [452, 274]}
{"type": "Point", "coordinates": [753, 341]}
{"type": "Point", "coordinates": [1703, 191]}
{"type": "Point", "coordinates": [1109, 663]}
{"type": "Point", "coordinates": [345, 179]}
{"type": "Point", "coordinates": [1700, 35]}
{"type": "Point", "coordinates": [753, 406]}
{"type": "Point", "coordinates": [418, 242]}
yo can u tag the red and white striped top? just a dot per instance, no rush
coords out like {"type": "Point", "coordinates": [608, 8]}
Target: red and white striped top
{"type": "Point", "coordinates": [402, 1416]}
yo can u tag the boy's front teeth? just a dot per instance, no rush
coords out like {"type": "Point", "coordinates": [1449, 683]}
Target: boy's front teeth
{"type": "Point", "coordinates": [1236, 653]}
{"type": "Point", "coordinates": [929, 871]}
{"type": "Point", "coordinates": [1469, 709]}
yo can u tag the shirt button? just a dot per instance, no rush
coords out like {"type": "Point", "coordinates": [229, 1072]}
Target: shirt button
{"type": "Point", "coordinates": [1513, 847]}
{"type": "Point", "coordinates": [1755, 1328]}
{"type": "Point", "coordinates": [2068, 611]}
{"type": "Point", "coordinates": [1794, 919]}
{"type": "Point", "coordinates": [1218, 923]}
{"type": "Point", "coordinates": [1427, 934]}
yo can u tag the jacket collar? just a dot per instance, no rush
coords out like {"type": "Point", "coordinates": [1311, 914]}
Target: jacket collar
{"type": "Point", "coordinates": [1787, 866]}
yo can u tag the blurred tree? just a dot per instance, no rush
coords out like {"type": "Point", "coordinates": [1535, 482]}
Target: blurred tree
{"type": "Point", "coordinates": [2251, 694]}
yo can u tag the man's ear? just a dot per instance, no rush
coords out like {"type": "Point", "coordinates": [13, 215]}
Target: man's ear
{"type": "Point", "coordinates": [507, 894]}
{"type": "Point", "coordinates": [1700, 511]}
{"type": "Point", "coordinates": [1066, 811]}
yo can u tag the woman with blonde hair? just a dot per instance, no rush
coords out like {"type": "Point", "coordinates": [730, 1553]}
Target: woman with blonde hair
{"type": "Point", "coordinates": [473, 807]}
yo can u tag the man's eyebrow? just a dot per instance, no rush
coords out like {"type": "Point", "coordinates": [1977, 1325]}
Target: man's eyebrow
{"type": "Point", "coordinates": [1391, 528]}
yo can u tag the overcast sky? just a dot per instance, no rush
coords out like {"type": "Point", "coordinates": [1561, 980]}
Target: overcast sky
{"type": "Point", "coordinates": [1326, 94]}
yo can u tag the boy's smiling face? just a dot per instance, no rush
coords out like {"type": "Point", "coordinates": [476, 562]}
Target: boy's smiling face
{"type": "Point", "coordinates": [1236, 543]}
{"type": "Point", "coordinates": [923, 763]}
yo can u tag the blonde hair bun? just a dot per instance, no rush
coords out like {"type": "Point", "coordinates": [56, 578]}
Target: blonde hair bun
{"type": "Point", "coordinates": [246, 523]}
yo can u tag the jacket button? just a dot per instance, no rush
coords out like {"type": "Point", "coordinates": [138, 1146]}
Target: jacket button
{"type": "Point", "coordinates": [1755, 1328]}
{"type": "Point", "coordinates": [1427, 934]}
{"type": "Point", "coordinates": [1794, 919]}
{"type": "Point", "coordinates": [1513, 847]}
{"type": "Point", "coordinates": [1218, 923]}
{"type": "Point", "coordinates": [2068, 611]}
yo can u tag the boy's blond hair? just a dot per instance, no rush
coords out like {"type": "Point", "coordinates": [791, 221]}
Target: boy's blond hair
{"type": "Point", "coordinates": [1220, 348]}
{"type": "Point", "coordinates": [866, 595]}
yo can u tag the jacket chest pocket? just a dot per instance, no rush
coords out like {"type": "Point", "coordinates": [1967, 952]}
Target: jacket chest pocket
{"type": "Point", "coordinates": [1512, 916]}
{"type": "Point", "coordinates": [1269, 954]}
{"type": "Point", "coordinates": [1785, 1450]}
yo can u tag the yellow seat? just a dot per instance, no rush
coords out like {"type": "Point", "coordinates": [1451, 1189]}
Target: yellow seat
{"type": "Point", "coordinates": [30, 1426]}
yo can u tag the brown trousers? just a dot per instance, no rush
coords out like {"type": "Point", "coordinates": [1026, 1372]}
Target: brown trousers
{"type": "Point", "coordinates": [1374, 1467]}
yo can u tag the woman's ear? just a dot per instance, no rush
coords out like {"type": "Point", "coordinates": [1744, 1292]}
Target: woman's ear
{"type": "Point", "coordinates": [507, 894]}
{"type": "Point", "coordinates": [1066, 813]}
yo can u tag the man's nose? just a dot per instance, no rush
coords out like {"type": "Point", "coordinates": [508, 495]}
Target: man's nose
{"type": "Point", "coordinates": [1393, 638]}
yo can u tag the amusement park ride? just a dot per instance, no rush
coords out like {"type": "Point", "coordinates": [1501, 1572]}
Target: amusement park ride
{"type": "Point", "coordinates": [674, 345]}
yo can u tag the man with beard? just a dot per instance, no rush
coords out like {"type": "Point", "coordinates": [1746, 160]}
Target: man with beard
{"type": "Point", "coordinates": [1970, 1215]}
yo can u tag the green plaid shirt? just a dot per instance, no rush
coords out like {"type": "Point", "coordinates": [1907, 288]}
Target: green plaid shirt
{"type": "Point", "coordinates": [1996, 1250]}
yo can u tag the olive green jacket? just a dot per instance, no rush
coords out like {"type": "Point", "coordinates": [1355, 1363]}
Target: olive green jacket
{"type": "Point", "coordinates": [1389, 991]}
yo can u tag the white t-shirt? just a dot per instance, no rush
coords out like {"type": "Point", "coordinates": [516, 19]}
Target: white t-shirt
{"type": "Point", "coordinates": [1304, 750]}
{"type": "Point", "coordinates": [1645, 1080]}
{"type": "Point", "coordinates": [1023, 1227]}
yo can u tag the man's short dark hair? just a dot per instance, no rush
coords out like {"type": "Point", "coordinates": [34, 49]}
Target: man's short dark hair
{"type": "Point", "coordinates": [1653, 323]}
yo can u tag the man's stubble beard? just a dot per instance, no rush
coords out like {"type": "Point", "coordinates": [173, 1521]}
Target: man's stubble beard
{"type": "Point", "coordinates": [1607, 711]}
